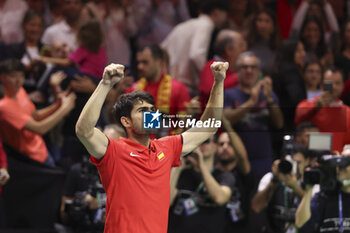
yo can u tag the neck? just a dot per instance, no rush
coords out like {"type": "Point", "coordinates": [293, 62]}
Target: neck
{"type": "Point", "coordinates": [227, 167]}
{"type": "Point", "coordinates": [309, 87]}
{"type": "Point", "coordinates": [74, 24]}
{"type": "Point", "coordinates": [142, 139]}
{"type": "Point", "coordinates": [10, 94]}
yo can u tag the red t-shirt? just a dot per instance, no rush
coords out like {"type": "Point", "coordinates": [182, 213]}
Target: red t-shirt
{"type": "Point", "coordinates": [14, 115]}
{"type": "Point", "coordinates": [332, 119]}
{"type": "Point", "coordinates": [179, 94]}
{"type": "Point", "coordinates": [137, 183]}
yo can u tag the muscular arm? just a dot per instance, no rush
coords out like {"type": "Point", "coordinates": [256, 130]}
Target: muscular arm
{"type": "Point", "coordinates": [195, 136]}
{"type": "Point", "coordinates": [92, 138]}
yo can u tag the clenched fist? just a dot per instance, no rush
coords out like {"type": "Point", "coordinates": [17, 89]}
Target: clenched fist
{"type": "Point", "coordinates": [113, 73]}
{"type": "Point", "coordinates": [219, 70]}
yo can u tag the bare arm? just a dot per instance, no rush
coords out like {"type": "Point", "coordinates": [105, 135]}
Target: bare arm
{"type": "Point", "coordinates": [239, 148]}
{"type": "Point", "coordinates": [45, 124]}
{"type": "Point", "coordinates": [262, 198]}
{"type": "Point", "coordinates": [303, 213]}
{"type": "Point", "coordinates": [195, 136]}
{"type": "Point", "coordinates": [174, 178]}
{"type": "Point", "coordinates": [93, 139]}
{"type": "Point", "coordinates": [57, 61]}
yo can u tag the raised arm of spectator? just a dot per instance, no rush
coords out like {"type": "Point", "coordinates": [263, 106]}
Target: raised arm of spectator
{"type": "Point", "coordinates": [92, 138]}
{"type": "Point", "coordinates": [303, 213]}
{"type": "Point", "coordinates": [239, 148]}
{"type": "Point", "coordinates": [44, 120]}
{"type": "Point", "coordinates": [193, 137]}
{"type": "Point", "coordinates": [298, 19]}
{"type": "Point", "coordinates": [266, 189]}
{"type": "Point", "coordinates": [57, 61]}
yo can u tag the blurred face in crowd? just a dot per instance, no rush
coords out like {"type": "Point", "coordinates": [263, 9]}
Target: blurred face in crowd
{"type": "Point", "coordinates": [303, 137]}
{"type": "Point", "coordinates": [248, 72]}
{"type": "Point", "coordinates": [312, 34]}
{"type": "Point", "coordinates": [225, 151]}
{"type": "Point", "coordinates": [219, 17]}
{"type": "Point", "coordinates": [264, 25]}
{"type": "Point", "coordinates": [147, 66]}
{"type": "Point", "coordinates": [33, 29]}
{"type": "Point", "coordinates": [313, 76]}
{"type": "Point", "coordinates": [239, 6]}
{"type": "Point", "coordinates": [337, 80]}
{"type": "Point", "coordinates": [72, 9]}
{"type": "Point", "coordinates": [208, 148]}
{"type": "Point", "coordinates": [12, 82]}
{"type": "Point", "coordinates": [299, 55]}
{"type": "Point", "coordinates": [299, 158]}
{"type": "Point", "coordinates": [239, 46]}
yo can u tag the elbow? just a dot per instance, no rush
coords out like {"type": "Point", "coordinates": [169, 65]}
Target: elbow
{"type": "Point", "coordinates": [256, 206]}
{"type": "Point", "coordinates": [257, 209]}
{"type": "Point", "coordinates": [220, 200]}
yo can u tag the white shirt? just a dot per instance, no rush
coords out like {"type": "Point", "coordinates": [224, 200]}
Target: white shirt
{"type": "Point", "coordinates": [60, 32]}
{"type": "Point", "coordinates": [11, 16]}
{"type": "Point", "coordinates": [187, 46]}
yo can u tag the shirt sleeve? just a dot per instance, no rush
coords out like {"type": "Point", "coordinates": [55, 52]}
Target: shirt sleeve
{"type": "Point", "coordinates": [13, 116]}
{"type": "Point", "coordinates": [265, 181]}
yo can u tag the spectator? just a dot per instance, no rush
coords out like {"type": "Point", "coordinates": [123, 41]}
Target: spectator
{"type": "Point", "coordinates": [232, 157]}
{"type": "Point", "coordinates": [326, 211]}
{"type": "Point", "coordinates": [170, 95]}
{"type": "Point", "coordinates": [312, 79]}
{"type": "Point", "coordinates": [327, 111]}
{"type": "Point", "coordinates": [264, 39]}
{"type": "Point", "coordinates": [90, 57]}
{"type": "Point", "coordinates": [315, 46]}
{"type": "Point", "coordinates": [202, 192]}
{"type": "Point", "coordinates": [11, 16]}
{"type": "Point", "coordinates": [29, 50]}
{"type": "Point", "coordinates": [188, 43]}
{"type": "Point", "coordinates": [228, 46]}
{"type": "Point", "coordinates": [65, 30]}
{"type": "Point", "coordinates": [251, 107]}
{"type": "Point", "coordinates": [21, 124]}
{"type": "Point", "coordinates": [289, 83]}
{"type": "Point", "coordinates": [238, 19]}
{"type": "Point", "coordinates": [302, 133]}
{"type": "Point", "coordinates": [279, 191]}
{"type": "Point", "coordinates": [313, 8]}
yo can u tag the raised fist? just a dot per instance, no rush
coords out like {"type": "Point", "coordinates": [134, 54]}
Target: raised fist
{"type": "Point", "coordinates": [113, 73]}
{"type": "Point", "coordinates": [219, 70]}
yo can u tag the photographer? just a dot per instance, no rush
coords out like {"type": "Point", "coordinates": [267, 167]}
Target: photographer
{"type": "Point", "coordinates": [326, 211]}
{"type": "Point", "coordinates": [280, 190]}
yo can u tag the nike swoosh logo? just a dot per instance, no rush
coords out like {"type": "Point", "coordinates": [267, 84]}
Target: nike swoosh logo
{"type": "Point", "coordinates": [133, 155]}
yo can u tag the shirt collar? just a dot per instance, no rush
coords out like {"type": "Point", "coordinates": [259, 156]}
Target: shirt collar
{"type": "Point", "coordinates": [139, 147]}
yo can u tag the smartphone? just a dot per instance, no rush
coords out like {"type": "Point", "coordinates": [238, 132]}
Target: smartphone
{"type": "Point", "coordinates": [320, 141]}
{"type": "Point", "coordinates": [328, 86]}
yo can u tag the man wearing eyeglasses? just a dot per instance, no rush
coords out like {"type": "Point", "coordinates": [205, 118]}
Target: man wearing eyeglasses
{"type": "Point", "coordinates": [251, 107]}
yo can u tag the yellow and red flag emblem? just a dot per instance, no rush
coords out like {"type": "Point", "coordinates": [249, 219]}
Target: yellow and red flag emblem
{"type": "Point", "coordinates": [160, 156]}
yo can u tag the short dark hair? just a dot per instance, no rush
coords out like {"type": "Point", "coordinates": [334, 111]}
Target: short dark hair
{"type": "Point", "coordinates": [222, 42]}
{"type": "Point", "coordinates": [31, 14]}
{"type": "Point", "coordinates": [126, 102]}
{"type": "Point", "coordinates": [11, 65]}
{"type": "Point", "coordinates": [334, 69]}
{"type": "Point", "coordinates": [157, 52]}
{"type": "Point", "coordinates": [207, 6]}
{"type": "Point", "coordinates": [303, 126]}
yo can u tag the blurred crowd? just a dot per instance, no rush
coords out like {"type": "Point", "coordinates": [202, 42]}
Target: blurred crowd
{"type": "Point", "coordinates": [289, 67]}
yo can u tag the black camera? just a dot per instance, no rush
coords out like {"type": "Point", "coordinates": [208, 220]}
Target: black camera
{"type": "Point", "coordinates": [287, 165]}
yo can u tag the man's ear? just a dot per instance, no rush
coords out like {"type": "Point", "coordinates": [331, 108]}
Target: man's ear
{"type": "Point", "coordinates": [126, 122]}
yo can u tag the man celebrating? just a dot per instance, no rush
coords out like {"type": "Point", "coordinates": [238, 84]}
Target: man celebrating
{"type": "Point", "coordinates": [135, 171]}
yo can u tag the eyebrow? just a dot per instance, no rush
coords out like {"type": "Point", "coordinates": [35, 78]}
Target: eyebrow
{"type": "Point", "coordinates": [145, 108]}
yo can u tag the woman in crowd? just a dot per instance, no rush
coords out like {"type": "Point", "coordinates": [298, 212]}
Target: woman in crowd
{"type": "Point", "coordinates": [264, 39]}
{"type": "Point", "coordinates": [312, 79]}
